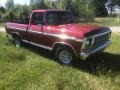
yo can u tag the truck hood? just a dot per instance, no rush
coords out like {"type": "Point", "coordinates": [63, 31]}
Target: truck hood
{"type": "Point", "coordinates": [76, 30]}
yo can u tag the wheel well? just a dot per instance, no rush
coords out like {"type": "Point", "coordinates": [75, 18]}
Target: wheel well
{"type": "Point", "coordinates": [14, 35]}
{"type": "Point", "coordinates": [63, 46]}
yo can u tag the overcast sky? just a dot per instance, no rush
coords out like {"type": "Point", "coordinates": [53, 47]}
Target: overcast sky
{"type": "Point", "coordinates": [2, 2]}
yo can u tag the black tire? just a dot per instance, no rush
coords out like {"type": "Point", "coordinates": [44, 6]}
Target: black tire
{"type": "Point", "coordinates": [64, 55]}
{"type": "Point", "coordinates": [18, 42]}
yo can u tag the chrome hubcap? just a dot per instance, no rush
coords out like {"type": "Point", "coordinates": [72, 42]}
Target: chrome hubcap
{"type": "Point", "coordinates": [17, 43]}
{"type": "Point", "coordinates": [65, 57]}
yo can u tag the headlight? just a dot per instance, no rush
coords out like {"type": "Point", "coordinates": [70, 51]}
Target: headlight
{"type": "Point", "coordinates": [87, 43]}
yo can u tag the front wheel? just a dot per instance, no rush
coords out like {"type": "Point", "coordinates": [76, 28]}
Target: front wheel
{"type": "Point", "coordinates": [64, 56]}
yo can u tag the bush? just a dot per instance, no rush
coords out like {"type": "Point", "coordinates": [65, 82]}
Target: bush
{"type": "Point", "coordinates": [19, 12]}
{"type": "Point", "coordinates": [8, 15]}
{"type": "Point", "coordinates": [81, 9]}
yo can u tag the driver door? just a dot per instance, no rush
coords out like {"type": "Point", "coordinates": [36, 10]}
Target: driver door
{"type": "Point", "coordinates": [35, 31]}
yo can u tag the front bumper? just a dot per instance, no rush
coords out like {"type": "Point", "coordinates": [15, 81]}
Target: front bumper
{"type": "Point", "coordinates": [83, 55]}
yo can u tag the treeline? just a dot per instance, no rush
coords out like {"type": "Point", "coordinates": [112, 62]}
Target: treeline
{"type": "Point", "coordinates": [84, 9]}
{"type": "Point", "coordinates": [12, 12]}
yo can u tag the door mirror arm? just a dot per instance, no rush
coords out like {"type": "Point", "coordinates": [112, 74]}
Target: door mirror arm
{"type": "Point", "coordinates": [40, 25]}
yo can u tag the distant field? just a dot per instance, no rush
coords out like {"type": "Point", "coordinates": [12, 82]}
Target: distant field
{"type": "Point", "coordinates": [32, 68]}
{"type": "Point", "coordinates": [107, 21]}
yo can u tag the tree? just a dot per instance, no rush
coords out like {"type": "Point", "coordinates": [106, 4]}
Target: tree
{"type": "Point", "coordinates": [111, 4]}
{"type": "Point", "coordinates": [114, 5]}
{"type": "Point", "coordinates": [100, 6]}
{"type": "Point", "coordinates": [80, 8]}
{"type": "Point", "coordinates": [10, 4]}
{"type": "Point", "coordinates": [2, 9]}
{"type": "Point", "coordinates": [22, 12]}
{"type": "Point", "coordinates": [38, 4]}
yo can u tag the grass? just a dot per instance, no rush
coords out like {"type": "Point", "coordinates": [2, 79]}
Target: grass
{"type": "Point", "coordinates": [1, 24]}
{"type": "Point", "coordinates": [32, 68]}
{"type": "Point", "coordinates": [107, 21]}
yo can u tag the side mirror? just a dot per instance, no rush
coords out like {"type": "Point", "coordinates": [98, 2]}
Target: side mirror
{"type": "Point", "coordinates": [40, 25]}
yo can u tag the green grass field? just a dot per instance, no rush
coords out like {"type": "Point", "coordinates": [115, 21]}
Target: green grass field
{"type": "Point", "coordinates": [32, 68]}
{"type": "Point", "coordinates": [1, 24]}
{"type": "Point", "coordinates": [107, 21]}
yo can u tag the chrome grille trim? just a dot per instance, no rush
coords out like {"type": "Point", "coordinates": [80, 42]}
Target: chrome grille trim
{"type": "Point", "coordinates": [94, 39]}
{"type": "Point", "coordinates": [102, 34]}
{"type": "Point", "coordinates": [97, 35]}
{"type": "Point", "coordinates": [84, 55]}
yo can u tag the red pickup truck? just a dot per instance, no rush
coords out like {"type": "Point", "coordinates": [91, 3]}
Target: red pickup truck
{"type": "Point", "coordinates": [57, 31]}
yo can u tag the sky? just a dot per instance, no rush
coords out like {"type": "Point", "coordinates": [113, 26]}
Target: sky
{"type": "Point", "coordinates": [2, 2]}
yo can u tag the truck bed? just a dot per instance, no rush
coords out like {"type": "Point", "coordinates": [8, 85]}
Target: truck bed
{"type": "Point", "coordinates": [19, 28]}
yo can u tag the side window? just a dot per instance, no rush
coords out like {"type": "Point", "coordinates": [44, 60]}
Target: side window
{"type": "Point", "coordinates": [38, 18]}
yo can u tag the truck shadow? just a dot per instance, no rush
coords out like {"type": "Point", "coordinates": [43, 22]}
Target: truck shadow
{"type": "Point", "coordinates": [39, 51]}
{"type": "Point", "coordinates": [103, 63]}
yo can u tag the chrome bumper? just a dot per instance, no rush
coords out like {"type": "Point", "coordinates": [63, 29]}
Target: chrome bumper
{"type": "Point", "coordinates": [83, 55]}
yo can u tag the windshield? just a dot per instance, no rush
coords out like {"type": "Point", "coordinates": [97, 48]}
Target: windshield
{"type": "Point", "coordinates": [59, 17]}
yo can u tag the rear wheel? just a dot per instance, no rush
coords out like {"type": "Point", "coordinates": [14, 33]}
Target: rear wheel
{"type": "Point", "coordinates": [64, 55]}
{"type": "Point", "coordinates": [17, 42]}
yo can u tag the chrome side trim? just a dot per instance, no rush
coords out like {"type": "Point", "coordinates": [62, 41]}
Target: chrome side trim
{"type": "Point", "coordinates": [33, 31]}
{"type": "Point", "coordinates": [62, 36]}
{"type": "Point", "coordinates": [48, 48]}
{"type": "Point", "coordinates": [20, 29]}
{"type": "Point", "coordinates": [38, 45]}
{"type": "Point", "coordinates": [26, 41]}
{"type": "Point", "coordinates": [83, 55]}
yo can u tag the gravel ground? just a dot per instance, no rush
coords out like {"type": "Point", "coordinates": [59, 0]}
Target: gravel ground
{"type": "Point", "coordinates": [114, 29]}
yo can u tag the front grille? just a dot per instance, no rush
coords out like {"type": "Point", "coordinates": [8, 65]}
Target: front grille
{"type": "Point", "coordinates": [100, 40]}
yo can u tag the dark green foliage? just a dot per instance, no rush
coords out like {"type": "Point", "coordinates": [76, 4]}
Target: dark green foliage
{"type": "Point", "coordinates": [81, 9]}
{"type": "Point", "coordinates": [22, 12]}
{"type": "Point", "coordinates": [18, 13]}
{"type": "Point", "coordinates": [2, 9]}
{"type": "Point", "coordinates": [8, 15]}
{"type": "Point", "coordinates": [101, 9]}
{"type": "Point", "coordinates": [86, 10]}
{"type": "Point", "coordinates": [13, 12]}
{"type": "Point", "coordinates": [38, 4]}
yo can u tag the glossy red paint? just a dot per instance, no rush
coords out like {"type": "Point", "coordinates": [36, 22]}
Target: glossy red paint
{"type": "Point", "coordinates": [16, 27]}
{"type": "Point", "coordinates": [74, 30]}
{"type": "Point", "coordinates": [48, 36]}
